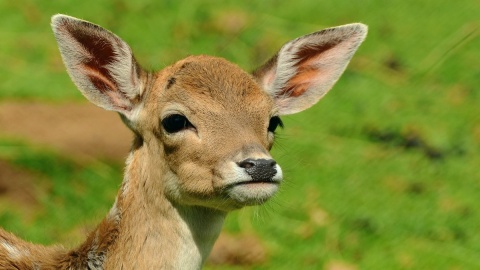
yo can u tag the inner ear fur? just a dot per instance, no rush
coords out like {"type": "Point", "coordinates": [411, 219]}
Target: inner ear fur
{"type": "Point", "coordinates": [100, 64]}
{"type": "Point", "coordinates": [306, 68]}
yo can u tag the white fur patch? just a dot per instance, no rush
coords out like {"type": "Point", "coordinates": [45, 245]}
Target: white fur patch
{"type": "Point", "coordinates": [13, 252]}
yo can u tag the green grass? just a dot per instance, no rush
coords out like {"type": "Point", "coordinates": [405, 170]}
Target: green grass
{"type": "Point", "coordinates": [382, 174]}
{"type": "Point", "coordinates": [73, 196]}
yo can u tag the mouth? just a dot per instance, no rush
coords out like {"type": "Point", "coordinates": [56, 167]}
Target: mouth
{"type": "Point", "coordinates": [254, 182]}
{"type": "Point", "coordinates": [252, 192]}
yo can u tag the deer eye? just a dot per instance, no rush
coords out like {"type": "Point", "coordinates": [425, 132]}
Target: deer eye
{"type": "Point", "coordinates": [274, 123]}
{"type": "Point", "coordinates": [175, 123]}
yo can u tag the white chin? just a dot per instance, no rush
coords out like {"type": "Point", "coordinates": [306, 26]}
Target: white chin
{"type": "Point", "coordinates": [253, 193]}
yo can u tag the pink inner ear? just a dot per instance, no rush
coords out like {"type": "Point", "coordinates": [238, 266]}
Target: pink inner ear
{"type": "Point", "coordinates": [99, 80]}
{"type": "Point", "coordinates": [305, 76]}
{"type": "Point", "coordinates": [310, 53]}
{"type": "Point", "coordinates": [298, 84]}
{"type": "Point", "coordinates": [268, 77]}
{"type": "Point", "coordinates": [101, 53]}
{"type": "Point", "coordinates": [309, 71]}
{"type": "Point", "coordinates": [97, 72]}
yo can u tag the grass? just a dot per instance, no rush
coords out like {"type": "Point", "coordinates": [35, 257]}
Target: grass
{"type": "Point", "coordinates": [382, 174]}
{"type": "Point", "coordinates": [62, 186]}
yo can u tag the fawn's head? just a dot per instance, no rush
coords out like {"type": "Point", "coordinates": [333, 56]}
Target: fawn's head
{"type": "Point", "coordinates": [210, 123]}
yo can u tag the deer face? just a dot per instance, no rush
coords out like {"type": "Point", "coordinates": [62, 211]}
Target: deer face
{"type": "Point", "coordinates": [208, 122]}
{"type": "Point", "coordinates": [215, 128]}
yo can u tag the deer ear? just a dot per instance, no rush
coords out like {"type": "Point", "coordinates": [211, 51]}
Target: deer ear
{"type": "Point", "coordinates": [306, 68]}
{"type": "Point", "coordinates": [100, 64]}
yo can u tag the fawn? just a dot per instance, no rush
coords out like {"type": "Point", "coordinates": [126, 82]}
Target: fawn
{"type": "Point", "coordinates": [202, 129]}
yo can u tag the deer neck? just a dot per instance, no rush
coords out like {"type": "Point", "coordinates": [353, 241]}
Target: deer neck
{"type": "Point", "coordinates": [149, 230]}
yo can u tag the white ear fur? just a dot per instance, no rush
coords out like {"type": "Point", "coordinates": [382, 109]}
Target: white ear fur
{"type": "Point", "coordinates": [306, 68]}
{"type": "Point", "coordinates": [100, 64]}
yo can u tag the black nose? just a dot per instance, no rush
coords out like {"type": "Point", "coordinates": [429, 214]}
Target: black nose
{"type": "Point", "coordinates": [259, 169]}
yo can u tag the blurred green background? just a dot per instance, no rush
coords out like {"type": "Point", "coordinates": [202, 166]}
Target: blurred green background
{"type": "Point", "coordinates": [381, 174]}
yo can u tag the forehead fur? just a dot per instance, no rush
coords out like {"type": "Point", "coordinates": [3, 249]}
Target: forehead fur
{"type": "Point", "coordinates": [216, 79]}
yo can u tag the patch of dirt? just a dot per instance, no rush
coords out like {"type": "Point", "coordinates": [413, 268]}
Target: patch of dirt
{"type": "Point", "coordinates": [78, 129]}
{"type": "Point", "coordinates": [237, 250]}
{"type": "Point", "coordinates": [16, 185]}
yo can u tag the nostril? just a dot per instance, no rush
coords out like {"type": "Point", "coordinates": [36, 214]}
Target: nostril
{"type": "Point", "coordinates": [247, 163]}
{"type": "Point", "coordinates": [272, 163]}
